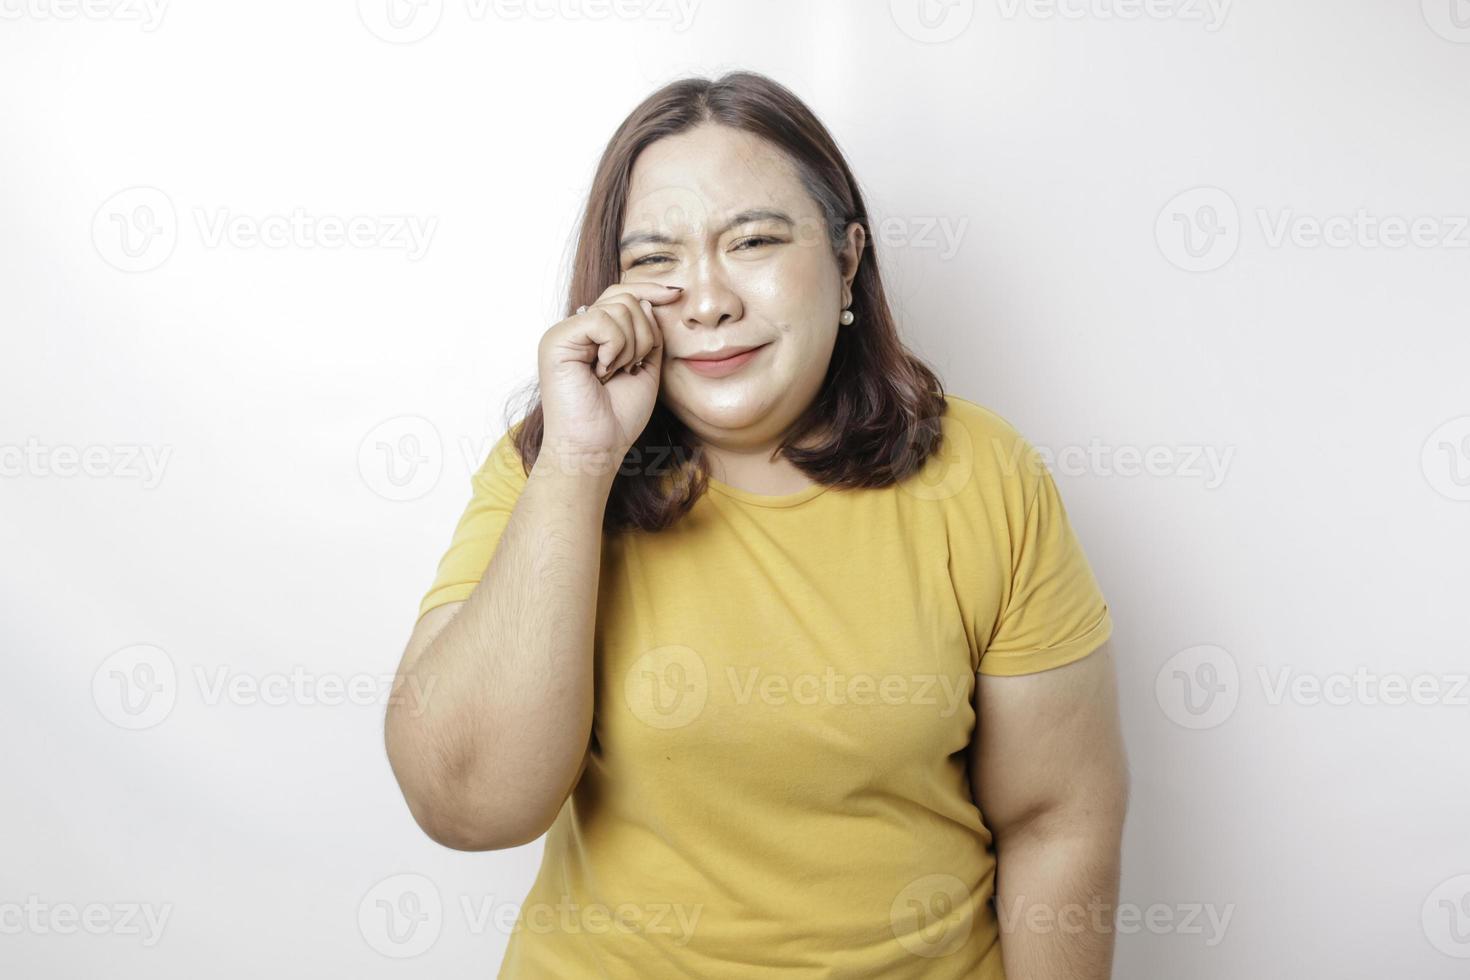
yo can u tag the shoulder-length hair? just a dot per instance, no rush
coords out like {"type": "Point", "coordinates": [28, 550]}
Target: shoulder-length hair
{"type": "Point", "coordinates": [876, 417]}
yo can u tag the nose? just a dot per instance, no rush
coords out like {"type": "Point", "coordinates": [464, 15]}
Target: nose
{"type": "Point", "coordinates": [708, 299]}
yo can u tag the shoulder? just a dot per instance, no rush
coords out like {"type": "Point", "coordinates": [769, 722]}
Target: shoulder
{"type": "Point", "coordinates": [978, 420]}
{"type": "Point", "coordinates": [986, 452]}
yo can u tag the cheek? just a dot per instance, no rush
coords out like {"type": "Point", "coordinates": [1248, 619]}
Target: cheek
{"type": "Point", "coordinates": [803, 352]}
{"type": "Point", "coordinates": [800, 287]}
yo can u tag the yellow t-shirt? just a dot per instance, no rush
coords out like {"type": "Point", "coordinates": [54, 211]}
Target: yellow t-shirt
{"type": "Point", "coordinates": [784, 709]}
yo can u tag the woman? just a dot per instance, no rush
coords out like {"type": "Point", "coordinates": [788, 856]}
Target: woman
{"type": "Point", "coordinates": [793, 655]}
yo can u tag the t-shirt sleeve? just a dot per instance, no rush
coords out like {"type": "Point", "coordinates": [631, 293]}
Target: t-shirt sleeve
{"type": "Point", "coordinates": [1053, 612]}
{"type": "Point", "coordinates": [494, 489]}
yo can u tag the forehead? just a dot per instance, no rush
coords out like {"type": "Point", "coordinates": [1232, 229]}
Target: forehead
{"type": "Point", "coordinates": [695, 178]}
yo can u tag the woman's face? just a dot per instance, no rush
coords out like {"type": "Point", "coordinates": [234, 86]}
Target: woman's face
{"type": "Point", "coordinates": [723, 214]}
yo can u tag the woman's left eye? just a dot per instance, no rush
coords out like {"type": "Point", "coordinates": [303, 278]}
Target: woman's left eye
{"type": "Point", "coordinates": [740, 246]}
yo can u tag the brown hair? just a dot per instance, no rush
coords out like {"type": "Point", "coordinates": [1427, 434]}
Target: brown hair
{"type": "Point", "coordinates": [878, 410]}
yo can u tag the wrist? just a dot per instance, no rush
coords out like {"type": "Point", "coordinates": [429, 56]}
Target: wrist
{"type": "Point", "coordinates": [564, 461]}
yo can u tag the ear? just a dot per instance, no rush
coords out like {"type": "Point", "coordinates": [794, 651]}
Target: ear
{"type": "Point", "coordinates": [849, 257]}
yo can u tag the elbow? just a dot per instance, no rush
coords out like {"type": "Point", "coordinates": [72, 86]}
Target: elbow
{"type": "Point", "coordinates": [460, 837]}
{"type": "Point", "coordinates": [460, 826]}
{"type": "Point", "coordinates": [459, 820]}
{"type": "Point", "coordinates": [452, 808]}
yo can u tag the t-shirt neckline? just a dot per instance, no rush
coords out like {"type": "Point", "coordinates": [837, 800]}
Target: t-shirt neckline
{"type": "Point", "coordinates": [764, 500]}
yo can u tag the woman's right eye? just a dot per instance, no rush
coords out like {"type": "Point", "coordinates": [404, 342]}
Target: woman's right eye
{"type": "Point", "coordinates": [647, 259]}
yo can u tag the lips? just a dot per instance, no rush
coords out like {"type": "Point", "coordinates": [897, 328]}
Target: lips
{"type": "Point", "coordinates": [725, 365]}
{"type": "Point", "coordinates": [723, 353]}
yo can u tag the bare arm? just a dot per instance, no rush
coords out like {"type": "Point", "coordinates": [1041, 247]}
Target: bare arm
{"type": "Point", "coordinates": [1050, 775]}
{"type": "Point", "coordinates": [489, 726]}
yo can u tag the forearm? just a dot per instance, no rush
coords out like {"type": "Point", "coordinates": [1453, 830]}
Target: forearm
{"type": "Point", "coordinates": [1056, 897]}
{"type": "Point", "coordinates": [497, 739]}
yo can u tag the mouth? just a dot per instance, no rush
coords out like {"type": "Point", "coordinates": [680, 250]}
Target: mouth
{"type": "Point", "coordinates": [719, 368]}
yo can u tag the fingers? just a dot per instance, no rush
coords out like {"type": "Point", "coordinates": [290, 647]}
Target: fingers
{"type": "Point", "coordinates": [644, 326]}
{"type": "Point", "coordinates": [613, 339]}
{"type": "Point", "coordinates": [648, 295]}
{"type": "Point", "coordinates": [654, 356]}
{"type": "Point", "coordinates": [625, 321]}
{"type": "Point", "coordinates": [630, 333]}
{"type": "Point", "coordinates": [655, 293]}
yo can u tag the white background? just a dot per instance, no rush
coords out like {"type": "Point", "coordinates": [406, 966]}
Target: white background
{"type": "Point", "coordinates": [1062, 148]}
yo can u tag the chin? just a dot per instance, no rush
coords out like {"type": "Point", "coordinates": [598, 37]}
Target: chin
{"type": "Point", "coordinates": [736, 409]}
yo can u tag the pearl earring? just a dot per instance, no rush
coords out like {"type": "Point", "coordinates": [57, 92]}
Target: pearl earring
{"type": "Point", "coordinates": [846, 317]}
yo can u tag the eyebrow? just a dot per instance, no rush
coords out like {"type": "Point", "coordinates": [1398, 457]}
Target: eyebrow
{"type": "Point", "coordinates": [744, 217]}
